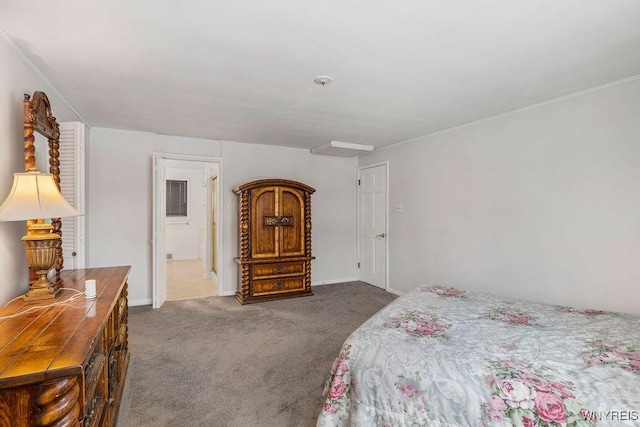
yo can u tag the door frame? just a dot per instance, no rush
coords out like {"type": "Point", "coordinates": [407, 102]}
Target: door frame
{"type": "Point", "coordinates": [158, 215]}
{"type": "Point", "coordinates": [384, 163]}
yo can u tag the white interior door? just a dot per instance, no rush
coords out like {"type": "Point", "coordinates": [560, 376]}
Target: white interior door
{"type": "Point", "coordinates": [214, 225]}
{"type": "Point", "coordinates": [159, 232]}
{"type": "Point", "coordinates": [372, 225]}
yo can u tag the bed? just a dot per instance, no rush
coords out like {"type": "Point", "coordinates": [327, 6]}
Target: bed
{"type": "Point", "coordinates": [440, 356]}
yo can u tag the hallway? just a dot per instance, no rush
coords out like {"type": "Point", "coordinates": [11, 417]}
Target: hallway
{"type": "Point", "coordinates": [185, 279]}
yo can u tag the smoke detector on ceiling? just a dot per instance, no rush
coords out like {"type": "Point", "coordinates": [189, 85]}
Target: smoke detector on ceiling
{"type": "Point", "coordinates": [342, 149]}
{"type": "Point", "coordinates": [323, 80]}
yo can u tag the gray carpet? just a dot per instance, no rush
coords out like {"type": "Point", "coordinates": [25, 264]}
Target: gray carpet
{"type": "Point", "coordinates": [213, 362]}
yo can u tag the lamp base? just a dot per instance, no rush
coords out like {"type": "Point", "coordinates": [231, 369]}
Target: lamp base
{"type": "Point", "coordinates": [39, 294]}
{"type": "Point", "coordinates": [40, 246]}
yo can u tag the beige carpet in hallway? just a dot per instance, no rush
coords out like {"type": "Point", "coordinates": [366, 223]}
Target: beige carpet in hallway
{"type": "Point", "coordinates": [185, 279]}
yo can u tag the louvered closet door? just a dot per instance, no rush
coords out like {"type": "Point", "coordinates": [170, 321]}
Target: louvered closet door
{"type": "Point", "coordinates": [72, 135]}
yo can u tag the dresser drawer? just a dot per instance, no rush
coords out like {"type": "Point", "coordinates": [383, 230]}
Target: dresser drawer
{"type": "Point", "coordinates": [277, 269]}
{"type": "Point", "coordinates": [93, 374]}
{"type": "Point", "coordinates": [275, 286]}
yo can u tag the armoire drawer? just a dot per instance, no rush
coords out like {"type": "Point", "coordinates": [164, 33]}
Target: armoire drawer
{"type": "Point", "coordinates": [274, 286]}
{"type": "Point", "coordinates": [277, 269]}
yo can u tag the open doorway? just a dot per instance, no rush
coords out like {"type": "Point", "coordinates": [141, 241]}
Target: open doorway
{"type": "Point", "coordinates": [186, 280]}
{"type": "Point", "coordinates": [186, 221]}
{"type": "Point", "coordinates": [189, 186]}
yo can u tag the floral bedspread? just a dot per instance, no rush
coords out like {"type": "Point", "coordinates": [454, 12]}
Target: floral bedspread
{"type": "Point", "coordinates": [440, 356]}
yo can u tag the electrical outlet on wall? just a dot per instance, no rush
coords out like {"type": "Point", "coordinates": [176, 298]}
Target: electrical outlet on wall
{"type": "Point", "coordinates": [399, 209]}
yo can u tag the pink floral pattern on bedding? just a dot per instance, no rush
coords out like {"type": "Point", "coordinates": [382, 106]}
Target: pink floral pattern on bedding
{"type": "Point", "coordinates": [529, 396]}
{"type": "Point", "coordinates": [443, 357]}
{"type": "Point", "coordinates": [445, 291]}
{"type": "Point", "coordinates": [624, 356]}
{"type": "Point", "coordinates": [338, 384]}
{"type": "Point", "coordinates": [417, 324]}
{"type": "Point", "coordinates": [410, 400]}
{"type": "Point", "coordinates": [511, 316]}
{"type": "Point", "coordinates": [585, 311]}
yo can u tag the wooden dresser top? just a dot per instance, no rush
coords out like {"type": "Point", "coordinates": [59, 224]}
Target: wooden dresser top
{"type": "Point", "coordinates": [56, 341]}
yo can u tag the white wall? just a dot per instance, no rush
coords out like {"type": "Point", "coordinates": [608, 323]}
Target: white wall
{"type": "Point", "coordinates": [183, 237]}
{"type": "Point", "coordinates": [120, 217]}
{"type": "Point", "coordinates": [542, 204]}
{"type": "Point", "coordinates": [16, 79]}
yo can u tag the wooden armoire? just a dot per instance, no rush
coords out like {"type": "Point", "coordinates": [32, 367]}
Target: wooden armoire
{"type": "Point", "coordinates": [274, 240]}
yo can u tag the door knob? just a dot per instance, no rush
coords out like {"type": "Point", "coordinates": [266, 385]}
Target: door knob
{"type": "Point", "coordinates": [380, 235]}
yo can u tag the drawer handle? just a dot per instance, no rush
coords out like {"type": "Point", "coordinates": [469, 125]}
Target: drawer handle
{"type": "Point", "coordinates": [279, 285]}
{"type": "Point", "coordinates": [278, 220]}
{"type": "Point", "coordinates": [279, 269]}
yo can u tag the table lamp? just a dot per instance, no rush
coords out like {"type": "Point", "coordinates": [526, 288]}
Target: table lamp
{"type": "Point", "coordinates": [34, 196]}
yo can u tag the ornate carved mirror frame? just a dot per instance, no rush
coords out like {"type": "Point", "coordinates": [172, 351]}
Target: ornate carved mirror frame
{"type": "Point", "coordinates": [39, 118]}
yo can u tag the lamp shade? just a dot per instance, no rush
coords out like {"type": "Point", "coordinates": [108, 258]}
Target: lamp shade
{"type": "Point", "coordinates": [35, 195]}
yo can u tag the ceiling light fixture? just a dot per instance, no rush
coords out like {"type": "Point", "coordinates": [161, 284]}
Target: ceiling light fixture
{"type": "Point", "coordinates": [342, 149]}
{"type": "Point", "coordinates": [323, 80]}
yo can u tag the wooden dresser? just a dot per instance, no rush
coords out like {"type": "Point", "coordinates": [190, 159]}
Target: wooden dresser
{"type": "Point", "coordinates": [274, 219]}
{"type": "Point", "coordinates": [65, 365]}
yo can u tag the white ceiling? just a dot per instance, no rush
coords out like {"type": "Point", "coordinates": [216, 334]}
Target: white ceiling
{"type": "Point", "coordinates": [244, 70]}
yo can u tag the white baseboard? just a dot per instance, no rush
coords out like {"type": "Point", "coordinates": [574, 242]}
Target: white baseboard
{"type": "Point", "coordinates": [330, 282]}
{"type": "Point", "coordinates": [133, 303]}
{"type": "Point", "coordinates": [354, 279]}
{"type": "Point", "coordinates": [136, 302]}
{"type": "Point", "coordinates": [395, 291]}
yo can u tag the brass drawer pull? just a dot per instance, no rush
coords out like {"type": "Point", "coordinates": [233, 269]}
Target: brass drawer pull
{"type": "Point", "coordinates": [279, 269]}
{"type": "Point", "coordinates": [279, 285]}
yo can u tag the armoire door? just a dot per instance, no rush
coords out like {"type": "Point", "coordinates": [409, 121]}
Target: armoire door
{"type": "Point", "coordinates": [291, 207]}
{"type": "Point", "coordinates": [264, 240]}
{"type": "Point", "coordinates": [278, 218]}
